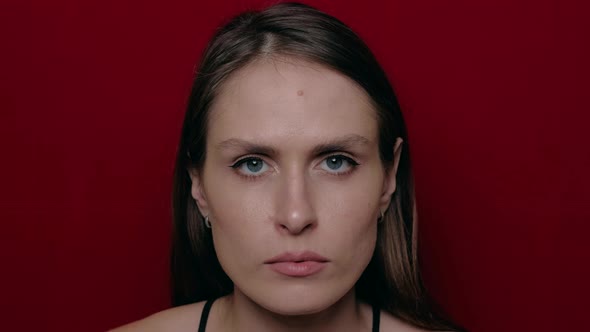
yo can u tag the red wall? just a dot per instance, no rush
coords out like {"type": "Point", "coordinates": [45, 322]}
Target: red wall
{"type": "Point", "coordinates": [91, 102]}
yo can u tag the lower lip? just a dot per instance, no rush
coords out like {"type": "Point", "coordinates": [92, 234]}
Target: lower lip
{"type": "Point", "coordinates": [298, 269]}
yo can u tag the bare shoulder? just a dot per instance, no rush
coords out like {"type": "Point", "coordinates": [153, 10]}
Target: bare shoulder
{"type": "Point", "coordinates": [390, 323]}
{"type": "Point", "coordinates": [177, 319]}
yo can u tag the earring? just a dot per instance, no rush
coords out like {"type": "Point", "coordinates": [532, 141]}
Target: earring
{"type": "Point", "coordinates": [381, 218]}
{"type": "Point", "coordinates": [207, 222]}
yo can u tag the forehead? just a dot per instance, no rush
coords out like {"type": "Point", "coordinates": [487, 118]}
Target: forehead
{"type": "Point", "coordinates": [295, 102]}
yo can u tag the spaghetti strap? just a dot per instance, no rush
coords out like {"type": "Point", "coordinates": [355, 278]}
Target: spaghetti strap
{"type": "Point", "coordinates": [209, 303]}
{"type": "Point", "coordinates": [376, 318]}
{"type": "Point", "coordinates": [205, 315]}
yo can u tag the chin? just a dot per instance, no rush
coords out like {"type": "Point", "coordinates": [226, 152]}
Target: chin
{"type": "Point", "coordinates": [298, 300]}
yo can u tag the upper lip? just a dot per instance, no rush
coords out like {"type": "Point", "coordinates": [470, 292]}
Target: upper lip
{"type": "Point", "coordinates": [296, 257]}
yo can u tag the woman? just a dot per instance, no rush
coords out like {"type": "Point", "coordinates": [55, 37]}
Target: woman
{"type": "Point", "coordinates": [293, 198]}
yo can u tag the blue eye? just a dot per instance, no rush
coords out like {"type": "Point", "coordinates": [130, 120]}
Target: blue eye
{"type": "Point", "coordinates": [334, 163]}
{"type": "Point", "coordinates": [251, 166]}
{"type": "Point", "coordinates": [338, 164]}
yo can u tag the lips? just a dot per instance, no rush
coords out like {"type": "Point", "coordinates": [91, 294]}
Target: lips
{"type": "Point", "coordinates": [301, 264]}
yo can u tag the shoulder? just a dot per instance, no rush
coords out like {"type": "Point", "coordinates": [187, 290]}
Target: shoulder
{"type": "Point", "coordinates": [390, 323]}
{"type": "Point", "coordinates": [177, 319]}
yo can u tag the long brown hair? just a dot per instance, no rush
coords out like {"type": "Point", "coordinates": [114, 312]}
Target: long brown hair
{"type": "Point", "coordinates": [392, 279]}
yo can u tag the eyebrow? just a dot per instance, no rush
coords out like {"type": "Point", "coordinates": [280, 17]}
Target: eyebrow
{"type": "Point", "coordinates": [335, 144]}
{"type": "Point", "coordinates": [341, 143]}
{"type": "Point", "coordinates": [249, 147]}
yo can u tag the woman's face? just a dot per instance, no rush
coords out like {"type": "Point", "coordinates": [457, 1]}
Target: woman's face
{"type": "Point", "coordinates": [293, 184]}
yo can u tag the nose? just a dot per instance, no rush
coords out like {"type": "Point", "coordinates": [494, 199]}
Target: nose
{"type": "Point", "coordinates": [294, 206]}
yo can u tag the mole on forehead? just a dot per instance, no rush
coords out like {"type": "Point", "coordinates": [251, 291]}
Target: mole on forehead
{"type": "Point", "coordinates": [300, 92]}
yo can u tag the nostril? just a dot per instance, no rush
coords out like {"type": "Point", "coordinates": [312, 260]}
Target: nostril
{"type": "Point", "coordinates": [295, 223]}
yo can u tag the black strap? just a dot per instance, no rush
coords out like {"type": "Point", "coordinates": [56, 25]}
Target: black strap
{"type": "Point", "coordinates": [376, 318]}
{"type": "Point", "coordinates": [205, 315]}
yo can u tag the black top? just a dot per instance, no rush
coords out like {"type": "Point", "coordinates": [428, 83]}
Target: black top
{"type": "Point", "coordinates": [207, 308]}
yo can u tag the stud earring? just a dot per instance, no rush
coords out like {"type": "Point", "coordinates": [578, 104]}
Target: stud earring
{"type": "Point", "coordinates": [381, 218]}
{"type": "Point", "coordinates": [207, 222]}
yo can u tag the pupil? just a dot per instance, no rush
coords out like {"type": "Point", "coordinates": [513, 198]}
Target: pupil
{"type": "Point", "coordinates": [334, 163]}
{"type": "Point", "coordinates": [254, 165]}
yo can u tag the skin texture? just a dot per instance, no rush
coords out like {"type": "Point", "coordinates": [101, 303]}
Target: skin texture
{"type": "Point", "coordinates": [291, 118]}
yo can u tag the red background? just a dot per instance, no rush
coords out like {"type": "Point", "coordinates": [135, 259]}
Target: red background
{"type": "Point", "coordinates": [495, 93]}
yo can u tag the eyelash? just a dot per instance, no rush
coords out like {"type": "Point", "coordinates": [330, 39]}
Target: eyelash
{"type": "Point", "coordinates": [353, 165]}
{"type": "Point", "coordinates": [241, 162]}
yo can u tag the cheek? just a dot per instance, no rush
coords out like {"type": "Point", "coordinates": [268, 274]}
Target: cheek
{"type": "Point", "coordinates": [349, 218]}
{"type": "Point", "coordinates": [354, 201]}
{"type": "Point", "coordinates": [233, 200]}
{"type": "Point", "coordinates": [349, 211]}
{"type": "Point", "coordinates": [238, 215]}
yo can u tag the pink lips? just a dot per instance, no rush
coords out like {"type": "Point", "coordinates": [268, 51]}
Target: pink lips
{"type": "Point", "coordinates": [297, 264]}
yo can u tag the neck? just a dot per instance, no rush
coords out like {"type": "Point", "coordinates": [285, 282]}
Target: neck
{"type": "Point", "coordinates": [239, 313]}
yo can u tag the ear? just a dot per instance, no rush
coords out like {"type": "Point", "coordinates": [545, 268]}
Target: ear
{"type": "Point", "coordinates": [197, 191]}
{"type": "Point", "coordinates": [389, 182]}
